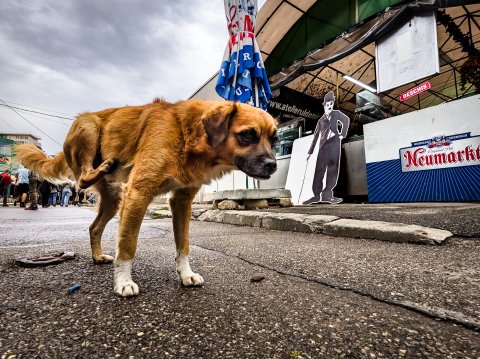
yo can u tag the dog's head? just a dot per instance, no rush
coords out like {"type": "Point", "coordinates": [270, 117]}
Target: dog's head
{"type": "Point", "coordinates": [243, 136]}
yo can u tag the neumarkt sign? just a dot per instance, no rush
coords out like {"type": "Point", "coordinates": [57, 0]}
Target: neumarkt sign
{"type": "Point", "coordinates": [287, 104]}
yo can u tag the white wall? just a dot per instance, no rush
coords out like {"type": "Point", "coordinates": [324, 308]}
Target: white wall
{"type": "Point", "coordinates": [207, 91]}
{"type": "Point", "coordinates": [384, 139]}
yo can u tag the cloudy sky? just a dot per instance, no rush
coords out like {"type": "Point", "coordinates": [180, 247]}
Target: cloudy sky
{"type": "Point", "coordinates": [64, 57]}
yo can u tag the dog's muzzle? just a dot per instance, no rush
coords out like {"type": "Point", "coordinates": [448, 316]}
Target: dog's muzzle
{"type": "Point", "coordinates": [259, 167]}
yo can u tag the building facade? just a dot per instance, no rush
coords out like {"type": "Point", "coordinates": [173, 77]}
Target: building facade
{"type": "Point", "coordinates": [383, 73]}
{"type": "Point", "coordinates": [22, 138]}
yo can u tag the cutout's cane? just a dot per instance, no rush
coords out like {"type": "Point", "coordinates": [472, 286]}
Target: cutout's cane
{"type": "Point", "coordinates": [301, 188]}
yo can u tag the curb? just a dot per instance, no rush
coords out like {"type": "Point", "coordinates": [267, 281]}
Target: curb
{"type": "Point", "coordinates": [329, 225]}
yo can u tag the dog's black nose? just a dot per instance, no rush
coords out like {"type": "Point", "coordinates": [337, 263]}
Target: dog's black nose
{"type": "Point", "coordinates": [270, 164]}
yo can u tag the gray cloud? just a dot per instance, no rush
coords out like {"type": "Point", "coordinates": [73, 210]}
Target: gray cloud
{"type": "Point", "coordinates": [74, 56]}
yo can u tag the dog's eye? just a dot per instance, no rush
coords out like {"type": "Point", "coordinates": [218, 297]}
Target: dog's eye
{"type": "Point", "coordinates": [247, 137]}
{"type": "Point", "coordinates": [273, 139]}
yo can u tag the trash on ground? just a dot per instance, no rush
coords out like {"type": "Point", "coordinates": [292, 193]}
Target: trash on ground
{"type": "Point", "coordinates": [73, 288]}
{"type": "Point", "coordinates": [47, 260]}
{"type": "Point", "coordinates": [257, 278]}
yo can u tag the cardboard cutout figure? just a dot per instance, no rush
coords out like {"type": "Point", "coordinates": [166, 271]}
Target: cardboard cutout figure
{"type": "Point", "coordinates": [332, 127]}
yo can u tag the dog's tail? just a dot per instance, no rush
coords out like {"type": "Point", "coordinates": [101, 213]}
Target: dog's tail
{"type": "Point", "coordinates": [47, 167]}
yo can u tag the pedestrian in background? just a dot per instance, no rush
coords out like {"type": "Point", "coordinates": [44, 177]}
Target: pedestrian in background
{"type": "Point", "coordinates": [53, 194]}
{"type": "Point", "coordinates": [81, 197]}
{"type": "Point", "coordinates": [60, 193]}
{"type": "Point", "coordinates": [34, 182]}
{"type": "Point", "coordinates": [5, 181]}
{"type": "Point", "coordinates": [45, 192]}
{"type": "Point", "coordinates": [66, 193]}
{"type": "Point", "coordinates": [23, 185]}
{"type": "Point", "coordinates": [92, 198]}
{"type": "Point", "coordinates": [74, 196]}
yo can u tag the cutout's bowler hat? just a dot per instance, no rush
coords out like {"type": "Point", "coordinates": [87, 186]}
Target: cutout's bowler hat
{"type": "Point", "coordinates": [329, 96]}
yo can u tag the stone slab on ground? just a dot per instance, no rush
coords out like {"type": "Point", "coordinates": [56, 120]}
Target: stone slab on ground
{"type": "Point", "coordinates": [197, 212]}
{"type": "Point", "coordinates": [296, 222]}
{"type": "Point", "coordinates": [281, 222]}
{"type": "Point", "coordinates": [330, 225]}
{"type": "Point", "coordinates": [386, 231]}
{"type": "Point", "coordinates": [317, 222]}
{"type": "Point", "coordinates": [288, 222]}
{"type": "Point", "coordinates": [238, 218]}
{"type": "Point", "coordinates": [460, 218]}
{"type": "Point", "coordinates": [241, 194]}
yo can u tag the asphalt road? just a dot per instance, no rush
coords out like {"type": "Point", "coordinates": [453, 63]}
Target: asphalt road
{"type": "Point", "coordinates": [321, 296]}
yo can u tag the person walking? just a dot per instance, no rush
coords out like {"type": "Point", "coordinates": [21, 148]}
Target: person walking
{"type": "Point", "coordinates": [329, 152]}
{"type": "Point", "coordinates": [66, 193]}
{"type": "Point", "coordinates": [5, 182]}
{"type": "Point", "coordinates": [53, 194]}
{"type": "Point", "coordinates": [92, 198]}
{"type": "Point", "coordinates": [60, 193]}
{"type": "Point", "coordinates": [81, 197]}
{"type": "Point", "coordinates": [73, 195]}
{"type": "Point", "coordinates": [23, 185]}
{"type": "Point", "coordinates": [34, 181]}
{"type": "Point", "coordinates": [45, 190]}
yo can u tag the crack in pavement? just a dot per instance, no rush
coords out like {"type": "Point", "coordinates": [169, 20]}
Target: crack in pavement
{"type": "Point", "coordinates": [430, 312]}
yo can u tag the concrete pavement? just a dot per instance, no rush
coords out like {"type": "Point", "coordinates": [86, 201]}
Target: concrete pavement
{"type": "Point", "coordinates": [322, 296]}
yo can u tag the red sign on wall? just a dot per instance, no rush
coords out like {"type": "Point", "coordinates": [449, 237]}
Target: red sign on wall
{"type": "Point", "coordinates": [415, 91]}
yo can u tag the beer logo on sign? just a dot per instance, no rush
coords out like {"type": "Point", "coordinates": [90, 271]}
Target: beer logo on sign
{"type": "Point", "coordinates": [438, 141]}
{"type": "Point", "coordinates": [441, 152]}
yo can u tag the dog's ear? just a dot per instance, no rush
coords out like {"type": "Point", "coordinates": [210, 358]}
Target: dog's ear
{"type": "Point", "coordinates": [217, 122]}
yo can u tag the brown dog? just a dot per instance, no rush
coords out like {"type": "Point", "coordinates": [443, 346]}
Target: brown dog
{"type": "Point", "coordinates": [132, 154]}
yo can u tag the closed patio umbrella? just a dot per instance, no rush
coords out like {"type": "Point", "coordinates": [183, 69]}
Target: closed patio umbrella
{"type": "Point", "coordinates": [242, 76]}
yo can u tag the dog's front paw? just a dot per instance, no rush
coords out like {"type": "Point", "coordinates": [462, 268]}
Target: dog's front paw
{"type": "Point", "coordinates": [190, 279]}
{"type": "Point", "coordinates": [122, 280]}
{"type": "Point", "coordinates": [126, 288]}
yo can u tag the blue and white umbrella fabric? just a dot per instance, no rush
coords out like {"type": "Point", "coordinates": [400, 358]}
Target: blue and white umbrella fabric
{"type": "Point", "coordinates": [242, 76]}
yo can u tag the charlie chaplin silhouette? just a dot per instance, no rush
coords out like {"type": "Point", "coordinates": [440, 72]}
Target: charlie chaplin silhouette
{"type": "Point", "coordinates": [332, 127]}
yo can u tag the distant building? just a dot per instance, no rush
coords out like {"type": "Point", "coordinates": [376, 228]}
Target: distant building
{"type": "Point", "coordinates": [22, 138]}
{"type": "Point", "coordinates": [6, 155]}
{"type": "Point", "coordinates": [8, 142]}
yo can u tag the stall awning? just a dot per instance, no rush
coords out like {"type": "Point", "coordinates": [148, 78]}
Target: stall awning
{"type": "Point", "coordinates": [353, 53]}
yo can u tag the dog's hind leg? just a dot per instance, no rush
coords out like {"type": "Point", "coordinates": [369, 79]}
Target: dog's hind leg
{"type": "Point", "coordinates": [82, 149]}
{"type": "Point", "coordinates": [108, 206]}
{"type": "Point", "coordinates": [181, 205]}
